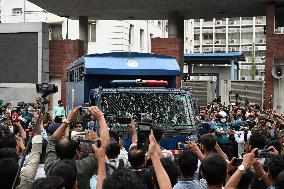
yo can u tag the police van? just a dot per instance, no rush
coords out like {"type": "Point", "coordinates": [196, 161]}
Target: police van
{"type": "Point", "coordinates": [139, 86]}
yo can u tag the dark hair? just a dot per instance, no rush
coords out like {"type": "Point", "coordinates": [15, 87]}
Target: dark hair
{"type": "Point", "coordinates": [7, 139]}
{"type": "Point", "coordinates": [276, 165]}
{"type": "Point", "coordinates": [158, 133]}
{"type": "Point", "coordinates": [9, 153]}
{"type": "Point", "coordinates": [187, 162]}
{"type": "Point", "coordinates": [66, 148]}
{"type": "Point", "coordinates": [257, 106]}
{"type": "Point", "coordinates": [243, 113]}
{"type": "Point", "coordinates": [136, 158]}
{"type": "Point", "coordinates": [114, 135]}
{"type": "Point", "coordinates": [276, 144]}
{"type": "Point", "coordinates": [246, 180]}
{"type": "Point", "coordinates": [67, 170]}
{"type": "Point", "coordinates": [214, 169]}
{"type": "Point", "coordinates": [257, 140]}
{"type": "Point", "coordinates": [112, 150]}
{"type": "Point", "coordinates": [52, 182]}
{"type": "Point", "coordinates": [279, 182]}
{"type": "Point", "coordinates": [123, 178]}
{"type": "Point", "coordinates": [171, 169]}
{"type": "Point", "coordinates": [59, 101]}
{"type": "Point", "coordinates": [208, 141]}
{"type": "Point", "coordinates": [8, 171]}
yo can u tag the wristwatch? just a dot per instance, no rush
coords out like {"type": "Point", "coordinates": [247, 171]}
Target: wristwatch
{"type": "Point", "coordinates": [242, 168]}
{"type": "Point", "coordinates": [66, 121]}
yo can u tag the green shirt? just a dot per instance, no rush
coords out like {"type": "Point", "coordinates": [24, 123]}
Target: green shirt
{"type": "Point", "coordinates": [222, 139]}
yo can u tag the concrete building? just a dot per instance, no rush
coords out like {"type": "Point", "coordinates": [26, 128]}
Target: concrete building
{"type": "Point", "coordinates": [103, 35]}
{"type": "Point", "coordinates": [240, 34]}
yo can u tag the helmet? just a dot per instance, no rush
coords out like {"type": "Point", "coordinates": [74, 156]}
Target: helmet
{"type": "Point", "coordinates": [222, 114]}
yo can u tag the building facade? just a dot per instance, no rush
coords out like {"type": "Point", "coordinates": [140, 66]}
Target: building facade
{"type": "Point", "coordinates": [241, 34]}
{"type": "Point", "coordinates": [103, 35]}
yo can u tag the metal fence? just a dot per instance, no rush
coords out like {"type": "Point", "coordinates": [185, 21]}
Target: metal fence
{"type": "Point", "coordinates": [203, 91]}
{"type": "Point", "coordinates": [247, 91]}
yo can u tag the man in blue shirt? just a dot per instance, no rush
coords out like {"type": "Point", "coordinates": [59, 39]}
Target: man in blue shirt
{"type": "Point", "coordinates": [59, 112]}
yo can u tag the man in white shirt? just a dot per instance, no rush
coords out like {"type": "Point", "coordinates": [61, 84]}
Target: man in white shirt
{"type": "Point", "coordinates": [241, 137]}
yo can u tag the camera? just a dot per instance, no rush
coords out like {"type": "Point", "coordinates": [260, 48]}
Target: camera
{"type": "Point", "coordinates": [262, 153]}
{"type": "Point", "coordinates": [85, 147]}
{"type": "Point", "coordinates": [46, 88]}
{"type": "Point", "coordinates": [118, 119]}
{"type": "Point", "coordinates": [182, 145]}
{"type": "Point", "coordinates": [237, 162]}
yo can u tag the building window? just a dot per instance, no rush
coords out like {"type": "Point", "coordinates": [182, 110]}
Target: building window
{"type": "Point", "coordinates": [92, 32]}
{"type": "Point", "coordinates": [207, 36]}
{"type": "Point", "coordinates": [17, 11]}
{"type": "Point", "coordinates": [196, 36]}
{"type": "Point", "coordinates": [55, 31]}
{"type": "Point", "coordinates": [131, 34]}
{"type": "Point", "coordinates": [141, 39]}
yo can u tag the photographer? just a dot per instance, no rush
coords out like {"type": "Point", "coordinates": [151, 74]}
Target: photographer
{"type": "Point", "coordinates": [66, 149]}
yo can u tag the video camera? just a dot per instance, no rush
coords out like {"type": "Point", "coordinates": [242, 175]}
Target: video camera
{"type": "Point", "coordinates": [46, 88]}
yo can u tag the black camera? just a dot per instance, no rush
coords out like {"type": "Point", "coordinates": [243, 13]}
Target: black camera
{"type": "Point", "coordinates": [262, 153]}
{"type": "Point", "coordinates": [46, 88]}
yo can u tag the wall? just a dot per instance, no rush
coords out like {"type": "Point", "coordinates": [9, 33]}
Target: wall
{"type": "Point", "coordinates": [62, 53]}
{"type": "Point", "coordinates": [170, 47]}
{"type": "Point", "coordinates": [113, 36]}
{"type": "Point", "coordinates": [274, 49]}
{"type": "Point", "coordinates": [278, 98]}
{"type": "Point", "coordinates": [18, 92]}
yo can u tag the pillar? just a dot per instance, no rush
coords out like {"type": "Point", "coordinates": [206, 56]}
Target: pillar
{"type": "Point", "coordinates": [232, 70]}
{"type": "Point", "coordinates": [83, 31]}
{"type": "Point", "coordinates": [176, 31]}
{"type": "Point", "coordinates": [175, 25]}
{"type": "Point", "coordinates": [270, 53]}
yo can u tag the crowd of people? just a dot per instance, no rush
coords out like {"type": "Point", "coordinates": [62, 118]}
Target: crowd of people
{"type": "Point", "coordinates": [238, 148]}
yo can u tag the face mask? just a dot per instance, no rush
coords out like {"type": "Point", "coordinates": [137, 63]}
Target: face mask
{"type": "Point", "coordinates": [223, 120]}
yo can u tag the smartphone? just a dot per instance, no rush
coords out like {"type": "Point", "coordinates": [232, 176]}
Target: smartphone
{"type": "Point", "coordinates": [84, 110]}
{"type": "Point", "coordinates": [262, 153]}
{"type": "Point", "coordinates": [85, 146]}
{"type": "Point", "coordinates": [237, 162]}
{"type": "Point", "coordinates": [182, 145]}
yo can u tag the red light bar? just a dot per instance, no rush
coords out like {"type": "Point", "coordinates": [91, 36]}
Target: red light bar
{"type": "Point", "coordinates": [156, 83]}
{"type": "Point", "coordinates": [139, 82]}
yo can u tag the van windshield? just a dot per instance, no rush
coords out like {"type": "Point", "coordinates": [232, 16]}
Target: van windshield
{"type": "Point", "coordinates": [165, 109]}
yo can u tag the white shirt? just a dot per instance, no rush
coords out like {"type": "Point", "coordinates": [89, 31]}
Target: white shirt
{"type": "Point", "coordinates": [240, 139]}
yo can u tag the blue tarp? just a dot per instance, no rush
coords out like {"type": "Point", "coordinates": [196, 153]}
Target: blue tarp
{"type": "Point", "coordinates": [126, 63]}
